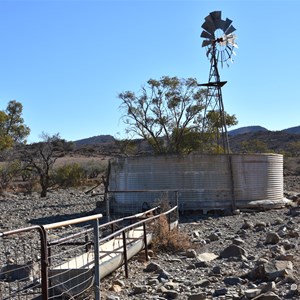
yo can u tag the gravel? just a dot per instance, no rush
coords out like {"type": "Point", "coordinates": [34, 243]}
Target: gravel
{"type": "Point", "coordinates": [262, 238]}
{"type": "Point", "coordinates": [24, 210]}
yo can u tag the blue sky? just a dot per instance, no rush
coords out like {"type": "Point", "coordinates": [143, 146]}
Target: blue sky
{"type": "Point", "coordinates": [67, 60]}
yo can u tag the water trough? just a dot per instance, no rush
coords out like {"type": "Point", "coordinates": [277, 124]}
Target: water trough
{"type": "Point", "coordinates": [78, 273]}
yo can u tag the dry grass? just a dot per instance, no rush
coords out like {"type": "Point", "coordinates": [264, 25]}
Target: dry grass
{"type": "Point", "coordinates": [167, 240]}
{"type": "Point", "coordinates": [81, 160]}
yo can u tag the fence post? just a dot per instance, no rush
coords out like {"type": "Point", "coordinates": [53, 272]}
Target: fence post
{"type": "Point", "coordinates": [44, 263]}
{"type": "Point", "coordinates": [97, 259]}
{"type": "Point", "coordinates": [177, 204]}
{"type": "Point", "coordinates": [125, 253]}
{"type": "Point", "coordinates": [107, 206]}
{"type": "Point", "coordinates": [145, 241]}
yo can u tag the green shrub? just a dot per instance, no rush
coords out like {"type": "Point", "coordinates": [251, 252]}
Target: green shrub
{"type": "Point", "coordinates": [30, 180]}
{"type": "Point", "coordinates": [8, 171]}
{"type": "Point", "coordinates": [70, 175]}
{"type": "Point", "coordinates": [93, 169]}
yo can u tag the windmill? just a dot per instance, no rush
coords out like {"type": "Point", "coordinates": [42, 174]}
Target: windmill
{"type": "Point", "coordinates": [219, 41]}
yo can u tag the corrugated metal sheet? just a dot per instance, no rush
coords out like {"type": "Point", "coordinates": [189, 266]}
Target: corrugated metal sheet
{"type": "Point", "coordinates": [203, 182]}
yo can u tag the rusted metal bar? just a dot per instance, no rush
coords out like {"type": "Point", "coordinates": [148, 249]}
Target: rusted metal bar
{"type": "Point", "coordinates": [97, 260]}
{"type": "Point", "coordinates": [125, 253]}
{"type": "Point", "coordinates": [49, 253]}
{"type": "Point", "coordinates": [72, 236]}
{"type": "Point", "coordinates": [44, 254]}
{"type": "Point", "coordinates": [111, 223]}
{"type": "Point", "coordinates": [136, 225]}
{"type": "Point", "coordinates": [145, 241]}
{"type": "Point", "coordinates": [46, 245]}
{"type": "Point", "coordinates": [72, 222]}
{"type": "Point", "coordinates": [20, 230]}
{"type": "Point", "coordinates": [44, 263]}
{"type": "Point", "coordinates": [88, 243]}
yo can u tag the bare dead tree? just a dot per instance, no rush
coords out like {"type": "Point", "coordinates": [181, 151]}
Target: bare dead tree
{"type": "Point", "coordinates": [40, 158]}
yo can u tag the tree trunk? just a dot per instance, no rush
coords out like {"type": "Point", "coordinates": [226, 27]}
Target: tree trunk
{"type": "Point", "coordinates": [44, 185]}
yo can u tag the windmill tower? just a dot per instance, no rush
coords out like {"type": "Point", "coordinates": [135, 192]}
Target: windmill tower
{"type": "Point", "coordinates": [220, 43]}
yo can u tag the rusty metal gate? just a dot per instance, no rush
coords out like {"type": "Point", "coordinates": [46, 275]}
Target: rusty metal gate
{"type": "Point", "coordinates": [62, 260]}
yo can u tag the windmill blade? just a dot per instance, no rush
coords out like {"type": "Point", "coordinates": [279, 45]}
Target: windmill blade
{"type": "Point", "coordinates": [226, 24]}
{"type": "Point", "coordinates": [230, 30]}
{"type": "Point", "coordinates": [209, 27]}
{"type": "Point", "coordinates": [228, 52]}
{"type": "Point", "coordinates": [209, 19]}
{"type": "Point", "coordinates": [229, 47]}
{"type": "Point", "coordinates": [230, 39]}
{"type": "Point", "coordinates": [216, 15]}
{"type": "Point", "coordinates": [215, 18]}
{"type": "Point", "coordinates": [219, 24]}
{"type": "Point", "coordinates": [222, 59]}
{"type": "Point", "coordinates": [207, 35]}
{"type": "Point", "coordinates": [207, 43]}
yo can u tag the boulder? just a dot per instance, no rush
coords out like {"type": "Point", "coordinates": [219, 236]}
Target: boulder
{"type": "Point", "coordinates": [233, 251]}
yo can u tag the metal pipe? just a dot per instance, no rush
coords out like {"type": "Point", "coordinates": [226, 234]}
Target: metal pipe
{"type": "Point", "coordinates": [97, 259]}
{"type": "Point", "coordinates": [145, 241]}
{"type": "Point", "coordinates": [44, 263]}
{"type": "Point", "coordinates": [44, 254]}
{"type": "Point", "coordinates": [71, 222]}
{"type": "Point", "coordinates": [125, 253]}
{"type": "Point", "coordinates": [136, 224]}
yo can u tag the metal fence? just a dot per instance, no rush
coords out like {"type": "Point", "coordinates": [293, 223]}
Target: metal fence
{"type": "Point", "coordinates": [67, 259]}
{"type": "Point", "coordinates": [21, 263]}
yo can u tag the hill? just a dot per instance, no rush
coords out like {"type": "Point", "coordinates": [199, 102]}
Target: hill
{"type": "Point", "coordinates": [95, 140]}
{"type": "Point", "coordinates": [247, 129]}
{"type": "Point", "coordinates": [276, 141]}
{"type": "Point", "coordinates": [293, 130]}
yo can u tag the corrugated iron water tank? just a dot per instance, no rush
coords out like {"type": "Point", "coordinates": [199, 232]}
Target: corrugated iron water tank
{"type": "Point", "coordinates": [203, 182]}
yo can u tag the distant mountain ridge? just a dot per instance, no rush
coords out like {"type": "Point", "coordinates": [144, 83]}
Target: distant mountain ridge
{"type": "Point", "coordinates": [246, 129]}
{"type": "Point", "coordinates": [106, 139]}
{"type": "Point", "coordinates": [292, 130]}
{"type": "Point", "coordinates": [257, 128]}
{"type": "Point", "coordinates": [95, 140]}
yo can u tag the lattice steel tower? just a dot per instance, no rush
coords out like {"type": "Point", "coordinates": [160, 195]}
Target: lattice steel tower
{"type": "Point", "coordinates": [220, 43]}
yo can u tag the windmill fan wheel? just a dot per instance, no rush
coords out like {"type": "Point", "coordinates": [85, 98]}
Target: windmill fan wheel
{"type": "Point", "coordinates": [218, 37]}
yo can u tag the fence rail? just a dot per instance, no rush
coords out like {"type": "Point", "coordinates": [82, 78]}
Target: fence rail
{"type": "Point", "coordinates": [67, 259]}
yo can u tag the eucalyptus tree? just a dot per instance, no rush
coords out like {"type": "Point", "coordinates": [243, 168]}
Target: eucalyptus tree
{"type": "Point", "coordinates": [168, 113]}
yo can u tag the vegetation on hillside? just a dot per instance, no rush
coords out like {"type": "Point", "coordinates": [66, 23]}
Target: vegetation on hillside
{"type": "Point", "coordinates": [167, 115]}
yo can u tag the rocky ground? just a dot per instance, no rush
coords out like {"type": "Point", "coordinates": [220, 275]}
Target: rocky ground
{"type": "Point", "coordinates": [246, 255]}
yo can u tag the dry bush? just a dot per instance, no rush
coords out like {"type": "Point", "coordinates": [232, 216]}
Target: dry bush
{"type": "Point", "coordinates": [164, 238]}
{"type": "Point", "coordinates": [167, 240]}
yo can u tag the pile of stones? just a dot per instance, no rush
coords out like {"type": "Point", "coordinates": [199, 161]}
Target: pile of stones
{"type": "Point", "coordinates": [246, 255]}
